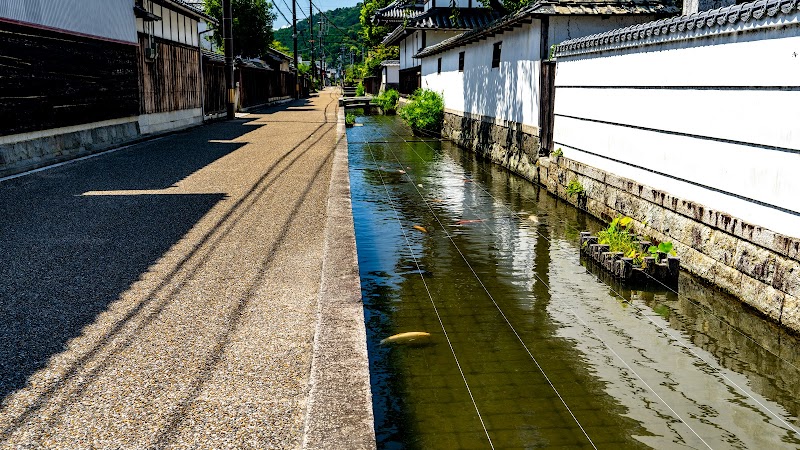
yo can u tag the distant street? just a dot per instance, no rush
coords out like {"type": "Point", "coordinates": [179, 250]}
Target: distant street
{"type": "Point", "coordinates": [164, 295]}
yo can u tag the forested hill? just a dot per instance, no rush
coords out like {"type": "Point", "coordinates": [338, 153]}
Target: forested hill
{"type": "Point", "coordinates": [346, 19]}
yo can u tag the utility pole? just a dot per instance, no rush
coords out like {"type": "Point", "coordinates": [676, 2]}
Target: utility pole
{"type": "Point", "coordinates": [311, 34]}
{"type": "Point", "coordinates": [322, 73]}
{"type": "Point", "coordinates": [294, 50]}
{"type": "Point", "coordinates": [227, 32]}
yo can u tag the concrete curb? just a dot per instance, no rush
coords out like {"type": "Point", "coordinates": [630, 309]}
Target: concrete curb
{"type": "Point", "coordinates": [339, 410]}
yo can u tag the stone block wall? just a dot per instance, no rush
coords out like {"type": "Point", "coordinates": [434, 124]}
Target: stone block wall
{"type": "Point", "coordinates": [752, 263]}
{"type": "Point", "coordinates": [34, 150]}
{"type": "Point", "coordinates": [757, 265]}
{"type": "Point", "coordinates": [510, 144]}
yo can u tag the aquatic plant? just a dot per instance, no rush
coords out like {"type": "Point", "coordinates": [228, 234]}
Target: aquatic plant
{"type": "Point", "coordinates": [575, 188]}
{"type": "Point", "coordinates": [349, 119]}
{"type": "Point", "coordinates": [424, 113]}
{"type": "Point", "coordinates": [620, 239]}
{"type": "Point", "coordinates": [388, 101]}
{"type": "Point", "coordinates": [663, 247]}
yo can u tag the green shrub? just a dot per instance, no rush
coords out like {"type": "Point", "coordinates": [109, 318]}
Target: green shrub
{"type": "Point", "coordinates": [557, 153]}
{"type": "Point", "coordinates": [619, 239]}
{"type": "Point", "coordinates": [575, 187]}
{"type": "Point", "coordinates": [388, 101]}
{"type": "Point", "coordinates": [424, 113]}
{"type": "Point", "coordinates": [350, 119]}
{"type": "Point", "coordinates": [360, 89]}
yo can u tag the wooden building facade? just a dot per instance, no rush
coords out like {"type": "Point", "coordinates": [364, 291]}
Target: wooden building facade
{"type": "Point", "coordinates": [170, 75]}
{"type": "Point", "coordinates": [68, 82]}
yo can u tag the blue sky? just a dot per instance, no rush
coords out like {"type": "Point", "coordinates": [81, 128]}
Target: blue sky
{"type": "Point", "coordinates": [302, 9]}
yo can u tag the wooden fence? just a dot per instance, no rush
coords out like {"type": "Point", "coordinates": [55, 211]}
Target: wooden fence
{"type": "Point", "coordinates": [214, 87]}
{"type": "Point", "coordinates": [51, 79]}
{"type": "Point", "coordinates": [170, 81]}
{"type": "Point", "coordinates": [257, 86]}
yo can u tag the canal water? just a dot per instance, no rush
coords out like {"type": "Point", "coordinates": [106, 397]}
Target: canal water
{"type": "Point", "coordinates": [529, 347]}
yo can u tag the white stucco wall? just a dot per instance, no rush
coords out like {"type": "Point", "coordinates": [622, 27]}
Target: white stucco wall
{"type": "Point", "coordinates": [110, 19]}
{"type": "Point", "coordinates": [713, 119]}
{"type": "Point", "coordinates": [391, 74]}
{"type": "Point", "coordinates": [413, 44]}
{"type": "Point", "coordinates": [173, 25]}
{"type": "Point", "coordinates": [510, 92]}
{"type": "Point", "coordinates": [505, 93]}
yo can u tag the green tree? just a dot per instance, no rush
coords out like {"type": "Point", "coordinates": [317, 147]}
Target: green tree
{"type": "Point", "coordinates": [372, 34]}
{"type": "Point", "coordinates": [377, 55]}
{"type": "Point", "coordinates": [346, 32]}
{"type": "Point", "coordinates": [278, 45]}
{"type": "Point", "coordinates": [252, 25]}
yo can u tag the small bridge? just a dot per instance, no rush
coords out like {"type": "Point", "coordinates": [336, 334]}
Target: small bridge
{"type": "Point", "coordinates": [356, 102]}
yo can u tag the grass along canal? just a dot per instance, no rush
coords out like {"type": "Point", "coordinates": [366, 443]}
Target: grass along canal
{"type": "Point", "coordinates": [529, 348]}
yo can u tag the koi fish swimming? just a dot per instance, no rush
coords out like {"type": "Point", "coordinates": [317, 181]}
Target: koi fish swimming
{"type": "Point", "coordinates": [467, 221]}
{"type": "Point", "coordinates": [420, 228]}
{"type": "Point", "coordinates": [411, 337]}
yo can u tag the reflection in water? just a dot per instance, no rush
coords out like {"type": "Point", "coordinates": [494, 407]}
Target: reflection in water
{"type": "Point", "coordinates": [553, 355]}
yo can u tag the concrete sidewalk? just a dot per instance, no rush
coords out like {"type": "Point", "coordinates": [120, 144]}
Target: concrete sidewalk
{"type": "Point", "coordinates": [167, 295]}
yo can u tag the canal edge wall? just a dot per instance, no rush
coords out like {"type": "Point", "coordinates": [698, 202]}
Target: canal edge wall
{"type": "Point", "coordinates": [752, 263]}
{"type": "Point", "coordinates": [513, 145]}
{"type": "Point", "coordinates": [339, 412]}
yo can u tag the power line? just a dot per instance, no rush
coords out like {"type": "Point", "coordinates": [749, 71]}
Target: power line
{"type": "Point", "coordinates": [281, 13]}
{"type": "Point", "coordinates": [328, 19]}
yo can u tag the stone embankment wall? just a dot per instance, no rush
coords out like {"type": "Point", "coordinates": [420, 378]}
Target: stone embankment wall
{"type": "Point", "coordinates": [751, 262]}
{"type": "Point", "coordinates": [510, 144]}
{"type": "Point", "coordinates": [666, 123]}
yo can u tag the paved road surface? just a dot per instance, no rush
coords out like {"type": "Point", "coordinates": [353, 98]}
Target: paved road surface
{"type": "Point", "coordinates": [164, 295]}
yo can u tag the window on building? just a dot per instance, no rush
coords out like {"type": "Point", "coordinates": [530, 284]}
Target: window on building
{"type": "Point", "coordinates": [439, 65]}
{"type": "Point", "coordinates": [424, 40]}
{"type": "Point", "coordinates": [461, 61]}
{"type": "Point", "coordinates": [496, 54]}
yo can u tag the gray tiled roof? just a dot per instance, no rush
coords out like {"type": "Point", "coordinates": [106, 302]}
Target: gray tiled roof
{"type": "Point", "coordinates": [397, 12]}
{"type": "Point", "coordinates": [539, 9]}
{"type": "Point", "coordinates": [443, 19]}
{"type": "Point", "coordinates": [634, 35]}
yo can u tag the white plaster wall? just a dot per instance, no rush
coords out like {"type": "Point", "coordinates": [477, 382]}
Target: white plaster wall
{"type": "Point", "coordinates": [79, 16]}
{"type": "Point", "coordinates": [391, 74]}
{"type": "Point", "coordinates": [173, 26]}
{"type": "Point", "coordinates": [413, 44]}
{"type": "Point", "coordinates": [696, 118]}
{"type": "Point", "coordinates": [508, 92]}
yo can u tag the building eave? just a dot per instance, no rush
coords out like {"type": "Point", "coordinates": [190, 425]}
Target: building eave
{"type": "Point", "coordinates": [548, 9]}
{"type": "Point", "coordinates": [187, 9]}
{"type": "Point", "coordinates": [674, 27]}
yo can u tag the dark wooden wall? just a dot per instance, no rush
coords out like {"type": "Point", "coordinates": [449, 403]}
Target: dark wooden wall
{"type": "Point", "coordinates": [50, 79]}
{"type": "Point", "coordinates": [171, 82]}
{"type": "Point", "coordinates": [410, 80]}
{"type": "Point", "coordinates": [256, 86]}
{"type": "Point", "coordinates": [213, 87]}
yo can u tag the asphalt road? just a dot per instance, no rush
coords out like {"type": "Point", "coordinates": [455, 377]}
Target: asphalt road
{"type": "Point", "coordinates": [164, 295]}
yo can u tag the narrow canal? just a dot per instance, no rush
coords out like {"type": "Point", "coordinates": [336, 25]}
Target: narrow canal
{"type": "Point", "coordinates": [529, 348]}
